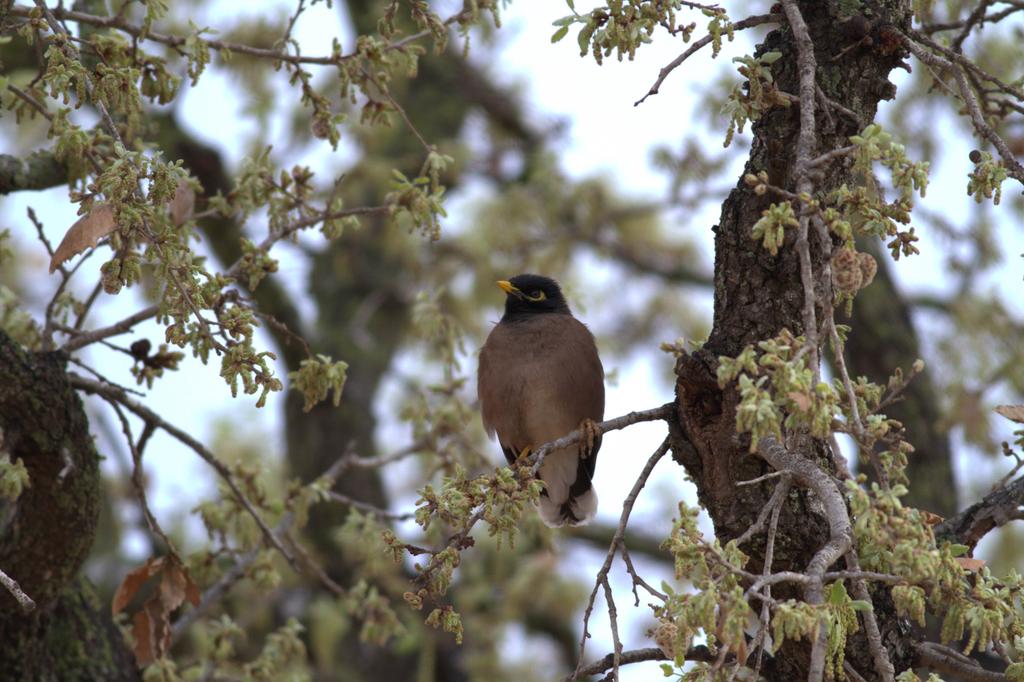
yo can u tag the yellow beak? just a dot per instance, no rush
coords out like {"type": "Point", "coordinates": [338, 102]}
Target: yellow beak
{"type": "Point", "coordinates": [507, 286]}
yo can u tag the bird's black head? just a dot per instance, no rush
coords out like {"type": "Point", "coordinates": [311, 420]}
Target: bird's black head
{"type": "Point", "coordinates": [527, 295]}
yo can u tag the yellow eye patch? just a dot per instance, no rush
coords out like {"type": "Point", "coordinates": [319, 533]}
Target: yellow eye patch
{"type": "Point", "coordinates": [537, 296]}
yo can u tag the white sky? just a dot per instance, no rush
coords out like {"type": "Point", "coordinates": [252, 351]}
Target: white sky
{"type": "Point", "coordinates": [606, 135]}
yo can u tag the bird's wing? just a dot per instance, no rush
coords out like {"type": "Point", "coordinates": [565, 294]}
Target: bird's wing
{"type": "Point", "coordinates": [500, 390]}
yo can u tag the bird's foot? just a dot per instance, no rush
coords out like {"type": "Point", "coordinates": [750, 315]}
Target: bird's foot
{"type": "Point", "coordinates": [590, 432]}
{"type": "Point", "coordinates": [523, 454]}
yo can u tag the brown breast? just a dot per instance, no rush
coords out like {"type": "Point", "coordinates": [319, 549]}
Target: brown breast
{"type": "Point", "coordinates": [538, 378]}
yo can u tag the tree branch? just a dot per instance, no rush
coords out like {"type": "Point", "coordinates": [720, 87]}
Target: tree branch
{"type": "Point", "coordinates": [809, 474]}
{"type": "Point", "coordinates": [118, 395]}
{"type": "Point", "coordinates": [27, 605]}
{"type": "Point", "coordinates": [994, 510]}
{"type": "Point", "coordinates": [937, 657]}
{"type": "Point", "coordinates": [121, 24]}
{"type": "Point", "coordinates": [970, 100]}
{"type": "Point", "coordinates": [40, 170]}
{"type": "Point", "coordinates": [749, 22]}
{"type": "Point", "coordinates": [602, 574]}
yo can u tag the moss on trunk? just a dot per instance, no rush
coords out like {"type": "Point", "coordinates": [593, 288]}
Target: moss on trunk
{"type": "Point", "coordinates": [47, 534]}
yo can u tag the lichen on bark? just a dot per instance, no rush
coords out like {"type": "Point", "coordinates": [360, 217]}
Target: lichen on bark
{"type": "Point", "coordinates": [47, 533]}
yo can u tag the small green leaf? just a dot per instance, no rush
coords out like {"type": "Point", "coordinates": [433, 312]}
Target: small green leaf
{"type": "Point", "coordinates": [837, 593]}
{"type": "Point", "coordinates": [958, 550]}
{"type": "Point", "coordinates": [861, 605]}
{"type": "Point", "coordinates": [559, 34]}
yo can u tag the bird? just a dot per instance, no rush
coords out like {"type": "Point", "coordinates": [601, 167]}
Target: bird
{"type": "Point", "coordinates": [540, 378]}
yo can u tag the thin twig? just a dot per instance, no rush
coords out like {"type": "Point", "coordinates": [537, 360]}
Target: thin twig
{"type": "Point", "coordinates": [613, 547]}
{"type": "Point", "coordinates": [749, 22]}
{"type": "Point", "coordinates": [879, 652]}
{"type": "Point", "coordinates": [695, 653]}
{"type": "Point", "coordinates": [804, 186]}
{"type": "Point", "coordinates": [970, 100]}
{"type": "Point", "coordinates": [828, 157]}
{"type": "Point", "coordinates": [27, 605]}
{"type": "Point", "coordinates": [777, 498]}
{"type": "Point", "coordinates": [769, 555]}
{"type": "Point", "coordinates": [538, 455]}
{"type": "Point", "coordinates": [613, 619]}
{"type": "Point", "coordinates": [369, 508]}
{"type": "Point", "coordinates": [117, 394]}
{"type": "Point", "coordinates": [137, 481]}
{"type": "Point", "coordinates": [177, 42]}
{"type": "Point", "coordinates": [92, 336]}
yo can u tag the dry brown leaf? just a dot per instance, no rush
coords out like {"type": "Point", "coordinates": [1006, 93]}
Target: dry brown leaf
{"type": "Point", "coordinates": [141, 633]}
{"type": "Point", "coordinates": [151, 630]}
{"type": "Point", "coordinates": [1014, 413]}
{"type": "Point", "coordinates": [159, 627]}
{"type": "Point", "coordinates": [183, 203]}
{"type": "Point", "coordinates": [151, 627]}
{"type": "Point", "coordinates": [970, 564]}
{"type": "Point", "coordinates": [133, 581]}
{"type": "Point", "coordinates": [802, 400]}
{"type": "Point", "coordinates": [172, 586]}
{"type": "Point", "coordinates": [930, 518]}
{"type": "Point", "coordinates": [87, 231]}
{"type": "Point", "coordinates": [192, 591]}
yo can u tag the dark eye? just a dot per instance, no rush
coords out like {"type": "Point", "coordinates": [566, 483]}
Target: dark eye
{"type": "Point", "coordinates": [536, 294]}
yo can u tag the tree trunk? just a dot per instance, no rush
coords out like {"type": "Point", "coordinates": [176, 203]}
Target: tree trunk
{"type": "Point", "coordinates": [757, 295]}
{"type": "Point", "coordinates": [47, 533]}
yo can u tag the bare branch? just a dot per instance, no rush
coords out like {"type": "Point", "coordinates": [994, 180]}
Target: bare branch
{"type": "Point", "coordinates": [804, 186]}
{"type": "Point", "coordinates": [137, 481]}
{"type": "Point", "coordinates": [369, 508]}
{"type": "Point", "coordinates": [970, 100]}
{"type": "Point", "coordinates": [810, 475]}
{"type": "Point", "coordinates": [177, 42]}
{"type": "Point", "coordinates": [749, 22]}
{"type": "Point", "coordinates": [117, 394]}
{"type": "Point", "coordinates": [878, 650]}
{"type": "Point", "coordinates": [613, 548]}
{"type": "Point", "coordinates": [995, 17]}
{"type": "Point", "coordinates": [658, 413]}
{"type": "Point", "coordinates": [37, 171]}
{"type": "Point", "coordinates": [85, 338]}
{"type": "Point", "coordinates": [994, 510]}
{"type": "Point", "coordinates": [942, 658]}
{"type": "Point", "coordinates": [27, 605]}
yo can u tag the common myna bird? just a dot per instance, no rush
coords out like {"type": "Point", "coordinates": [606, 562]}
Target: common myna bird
{"type": "Point", "coordinates": [539, 379]}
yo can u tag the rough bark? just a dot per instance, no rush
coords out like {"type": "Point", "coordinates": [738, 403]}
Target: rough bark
{"type": "Point", "coordinates": [757, 295]}
{"type": "Point", "coordinates": [46, 535]}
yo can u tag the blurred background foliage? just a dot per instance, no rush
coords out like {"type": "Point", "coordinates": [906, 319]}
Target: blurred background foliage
{"type": "Point", "coordinates": [407, 314]}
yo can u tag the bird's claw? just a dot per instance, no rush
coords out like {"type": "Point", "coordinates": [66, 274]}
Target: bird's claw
{"type": "Point", "coordinates": [589, 434]}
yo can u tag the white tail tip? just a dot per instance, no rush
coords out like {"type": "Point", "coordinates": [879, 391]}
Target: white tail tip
{"type": "Point", "coordinates": [577, 511]}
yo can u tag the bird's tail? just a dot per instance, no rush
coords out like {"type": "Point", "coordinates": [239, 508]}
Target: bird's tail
{"type": "Point", "coordinates": [574, 511]}
{"type": "Point", "coordinates": [568, 498]}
